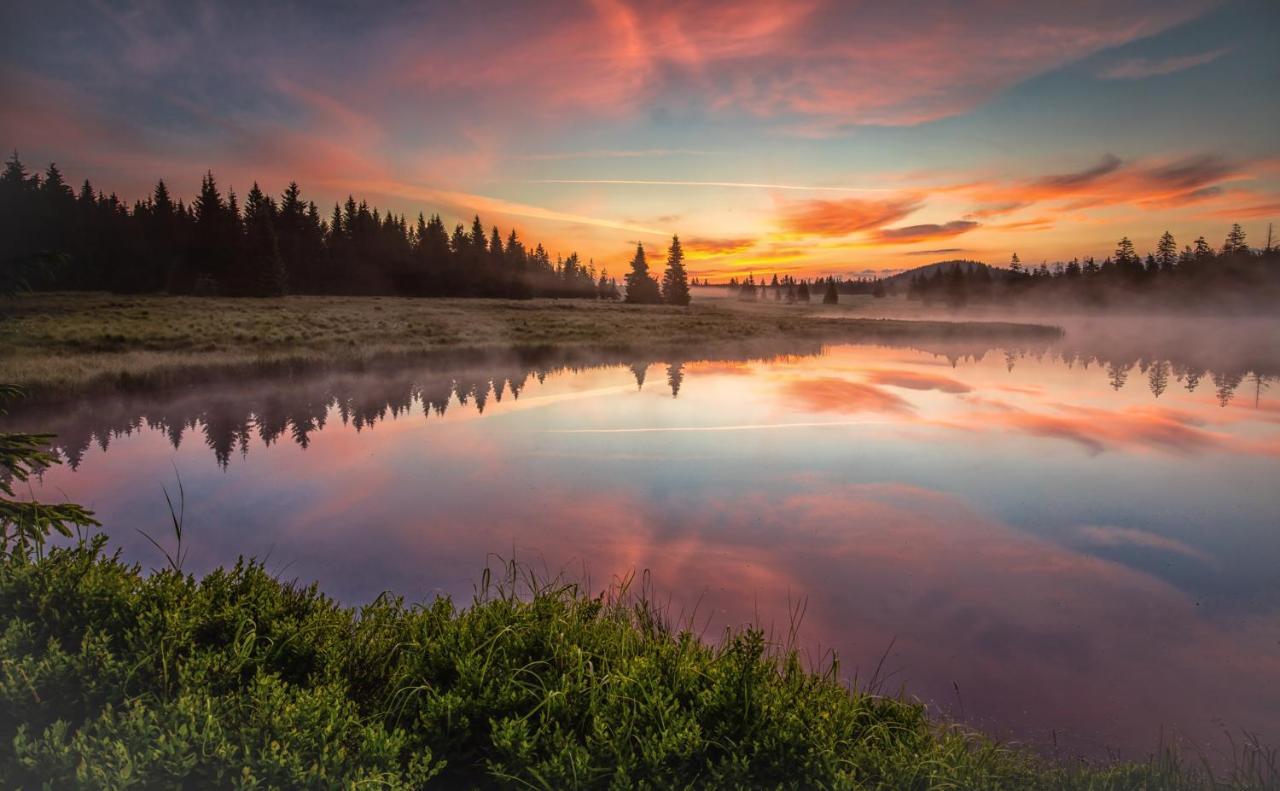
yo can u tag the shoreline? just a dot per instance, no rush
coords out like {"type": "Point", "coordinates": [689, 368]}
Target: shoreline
{"type": "Point", "coordinates": [63, 343]}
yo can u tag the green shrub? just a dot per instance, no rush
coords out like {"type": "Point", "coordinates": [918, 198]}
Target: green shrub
{"type": "Point", "coordinates": [111, 678]}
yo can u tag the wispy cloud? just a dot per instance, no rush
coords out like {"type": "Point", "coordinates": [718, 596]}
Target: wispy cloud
{"type": "Point", "coordinates": [846, 216]}
{"type": "Point", "coordinates": [926, 231]}
{"type": "Point", "coordinates": [1141, 68]}
{"type": "Point", "coordinates": [644, 153]}
{"type": "Point", "coordinates": [1111, 536]}
{"type": "Point", "coordinates": [938, 251]}
{"type": "Point", "coordinates": [728, 184]}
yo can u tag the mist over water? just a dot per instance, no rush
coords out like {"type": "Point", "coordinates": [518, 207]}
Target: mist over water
{"type": "Point", "coordinates": [1067, 541]}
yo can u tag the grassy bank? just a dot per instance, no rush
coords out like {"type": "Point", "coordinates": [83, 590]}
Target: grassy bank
{"type": "Point", "coordinates": [61, 342]}
{"type": "Point", "coordinates": [110, 678]}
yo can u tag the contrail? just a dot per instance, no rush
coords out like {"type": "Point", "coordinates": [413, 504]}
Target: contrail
{"type": "Point", "coordinates": [736, 184]}
{"type": "Point", "coordinates": [739, 427]}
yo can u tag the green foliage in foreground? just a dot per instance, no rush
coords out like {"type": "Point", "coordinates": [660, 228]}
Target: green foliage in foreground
{"type": "Point", "coordinates": [26, 524]}
{"type": "Point", "coordinates": [111, 678]}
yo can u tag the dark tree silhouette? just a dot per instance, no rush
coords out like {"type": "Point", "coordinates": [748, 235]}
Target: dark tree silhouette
{"type": "Point", "coordinates": [54, 238]}
{"type": "Point", "coordinates": [675, 283]}
{"type": "Point", "coordinates": [642, 289]}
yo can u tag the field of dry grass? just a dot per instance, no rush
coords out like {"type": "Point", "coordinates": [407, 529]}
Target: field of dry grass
{"type": "Point", "coordinates": [70, 341]}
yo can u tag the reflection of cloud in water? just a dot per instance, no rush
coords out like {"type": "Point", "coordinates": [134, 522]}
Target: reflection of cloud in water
{"type": "Point", "coordinates": [832, 394]}
{"type": "Point", "coordinates": [1098, 430]}
{"type": "Point", "coordinates": [1111, 536]}
{"type": "Point", "coordinates": [738, 427]}
{"type": "Point", "coordinates": [1091, 629]}
{"type": "Point", "coordinates": [914, 380]}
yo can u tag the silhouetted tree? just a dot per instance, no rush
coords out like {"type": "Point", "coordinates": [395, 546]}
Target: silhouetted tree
{"type": "Point", "coordinates": [642, 289]}
{"type": "Point", "coordinates": [675, 284]}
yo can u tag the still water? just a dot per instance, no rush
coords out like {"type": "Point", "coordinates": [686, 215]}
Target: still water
{"type": "Point", "coordinates": [1069, 544]}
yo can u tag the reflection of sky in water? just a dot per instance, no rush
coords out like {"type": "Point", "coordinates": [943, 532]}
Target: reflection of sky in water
{"type": "Point", "coordinates": [1067, 555]}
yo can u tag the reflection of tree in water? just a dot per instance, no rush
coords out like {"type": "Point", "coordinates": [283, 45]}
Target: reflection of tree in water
{"type": "Point", "coordinates": [230, 413]}
{"type": "Point", "coordinates": [675, 377]}
{"type": "Point", "coordinates": [1225, 385]}
{"type": "Point", "coordinates": [1161, 368]}
{"type": "Point", "coordinates": [1117, 375]}
{"type": "Point", "coordinates": [1158, 377]}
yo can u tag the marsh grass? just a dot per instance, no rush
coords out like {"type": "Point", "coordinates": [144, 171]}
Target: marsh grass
{"type": "Point", "coordinates": [112, 678]}
{"type": "Point", "coordinates": [61, 342]}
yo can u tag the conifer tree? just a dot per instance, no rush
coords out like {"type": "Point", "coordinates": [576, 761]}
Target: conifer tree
{"type": "Point", "coordinates": [1166, 253]}
{"type": "Point", "coordinates": [642, 289]}
{"type": "Point", "coordinates": [1235, 241]}
{"type": "Point", "coordinates": [264, 268]}
{"type": "Point", "coordinates": [675, 285]}
{"type": "Point", "coordinates": [832, 296]}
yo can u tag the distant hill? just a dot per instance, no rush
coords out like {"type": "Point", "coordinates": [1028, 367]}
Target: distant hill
{"type": "Point", "coordinates": [928, 269]}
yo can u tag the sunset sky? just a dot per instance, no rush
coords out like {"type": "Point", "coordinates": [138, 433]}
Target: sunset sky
{"type": "Point", "coordinates": [802, 136]}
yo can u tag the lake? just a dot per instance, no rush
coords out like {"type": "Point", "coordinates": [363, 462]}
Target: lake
{"type": "Point", "coordinates": [1072, 543]}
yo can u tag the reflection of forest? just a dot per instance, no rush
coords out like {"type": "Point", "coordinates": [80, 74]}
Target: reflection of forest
{"type": "Point", "coordinates": [229, 412]}
{"type": "Point", "coordinates": [270, 405]}
{"type": "Point", "coordinates": [1159, 373]}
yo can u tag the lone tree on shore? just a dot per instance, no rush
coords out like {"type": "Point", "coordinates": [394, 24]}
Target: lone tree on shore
{"type": "Point", "coordinates": [831, 296]}
{"type": "Point", "coordinates": [642, 289]}
{"type": "Point", "coordinates": [675, 282]}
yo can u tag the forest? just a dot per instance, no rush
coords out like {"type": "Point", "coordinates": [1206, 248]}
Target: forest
{"type": "Point", "coordinates": [1232, 276]}
{"type": "Point", "coordinates": [54, 238]}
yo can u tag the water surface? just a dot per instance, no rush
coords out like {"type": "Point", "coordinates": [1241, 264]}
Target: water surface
{"type": "Point", "coordinates": [1071, 543]}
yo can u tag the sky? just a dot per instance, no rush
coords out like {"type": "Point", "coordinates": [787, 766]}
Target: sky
{"type": "Point", "coordinates": [808, 137]}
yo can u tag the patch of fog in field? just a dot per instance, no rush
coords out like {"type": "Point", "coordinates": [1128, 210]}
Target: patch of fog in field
{"type": "Point", "coordinates": [1068, 541]}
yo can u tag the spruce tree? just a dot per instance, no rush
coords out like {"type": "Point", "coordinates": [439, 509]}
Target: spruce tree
{"type": "Point", "coordinates": [675, 285]}
{"type": "Point", "coordinates": [1235, 241]}
{"type": "Point", "coordinates": [1166, 253]}
{"type": "Point", "coordinates": [263, 267]}
{"type": "Point", "coordinates": [642, 289]}
{"type": "Point", "coordinates": [832, 296]}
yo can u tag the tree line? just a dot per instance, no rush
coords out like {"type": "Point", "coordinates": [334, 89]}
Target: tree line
{"type": "Point", "coordinates": [1199, 273]}
{"type": "Point", "coordinates": [1233, 274]}
{"type": "Point", "coordinates": [787, 289]}
{"type": "Point", "coordinates": [54, 238]}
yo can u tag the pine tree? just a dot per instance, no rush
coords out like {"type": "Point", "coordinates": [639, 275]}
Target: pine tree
{"type": "Point", "coordinates": [1166, 253]}
{"type": "Point", "coordinates": [1235, 241]}
{"type": "Point", "coordinates": [832, 296]}
{"type": "Point", "coordinates": [1126, 258]}
{"type": "Point", "coordinates": [265, 274]}
{"type": "Point", "coordinates": [642, 289]}
{"type": "Point", "coordinates": [675, 285]}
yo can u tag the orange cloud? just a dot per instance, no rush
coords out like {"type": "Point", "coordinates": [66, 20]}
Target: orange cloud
{"type": "Point", "coordinates": [831, 394]}
{"type": "Point", "coordinates": [1098, 430]}
{"type": "Point", "coordinates": [711, 248]}
{"type": "Point", "coordinates": [1110, 182]}
{"type": "Point", "coordinates": [842, 217]}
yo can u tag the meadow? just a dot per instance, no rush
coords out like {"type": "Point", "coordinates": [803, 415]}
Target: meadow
{"type": "Point", "coordinates": [64, 341]}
